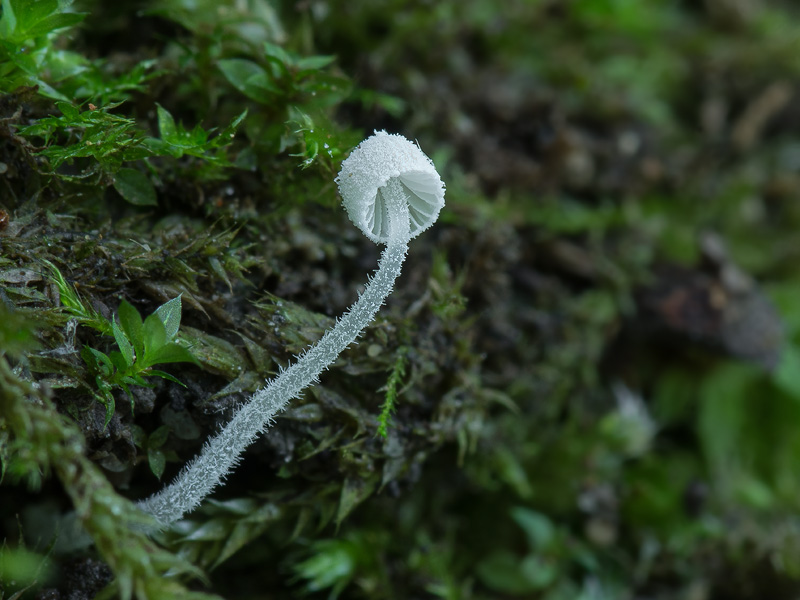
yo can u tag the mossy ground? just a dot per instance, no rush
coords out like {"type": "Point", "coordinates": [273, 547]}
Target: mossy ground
{"type": "Point", "coordinates": [594, 353]}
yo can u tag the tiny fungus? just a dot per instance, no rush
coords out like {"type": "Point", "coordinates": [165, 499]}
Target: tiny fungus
{"type": "Point", "coordinates": [392, 193]}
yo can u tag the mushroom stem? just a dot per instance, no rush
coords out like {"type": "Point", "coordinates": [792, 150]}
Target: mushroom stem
{"type": "Point", "coordinates": [223, 451]}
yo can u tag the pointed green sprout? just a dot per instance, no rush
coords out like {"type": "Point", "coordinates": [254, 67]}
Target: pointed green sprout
{"type": "Point", "coordinates": [392, 192]}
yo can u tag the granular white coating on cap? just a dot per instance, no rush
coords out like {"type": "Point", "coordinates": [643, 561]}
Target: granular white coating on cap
{"type": "Point", "coordinates": [371, 166]}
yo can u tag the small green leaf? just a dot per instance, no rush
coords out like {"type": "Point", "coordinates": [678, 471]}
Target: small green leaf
{"type": "Point", "coordinates": [226, 136]}
{"type": "Point", "coordinates": [538, 528]}
{"type": "Point", "coordinates": [142, 150]}
{"type": "Point", "coordinates": [157, 461]}
{"type": "Point", "coordinates": [135, 187]}
{"type": "Point", "coordinates": [68, 110]}
{"type": "Point", "coordinates": [176, 141]}
{"type": "Point", "coordinates": [89, 358]}
{"type": "Point", "coordinates": [502, 571]}
{"type": "Point", "coordinates": [354, 492]}
{"type": "Point", "coordinates": [242, 533]}
{"type": "Point", "coordinates": [249, 78]}
{"type": "Point", "coordinates": [28, 15]}
{"type": "Point", "coordinates": [119, 362]}
{"type": "Point", "coordinates": [210, 530]}
{"type": "Point", "coordinates": [155, 336]}
{"type": "Point", "coordinates": [8, 24]}
{"type": "Point", "coordinates": [125, 347]}
{"type": "Point", "coordinates": [170, 315]}
{"type": "Point", "coordinates": [158, 438]}
{"type": "Point", "coordinates": [273, 51]}
{"type": "Point", "coordinates": [166, 125]}
{"type": "Point", "coordinates": [136, 379]}
{"type": "Point", "coordinates": [101, 362]}
{"type": "Point", "coordinates": [163, 375]}
{"type": "Point", "coordinates": [236, 122]}
{"type": "Point", "coordinates": [170, 353]}
{"type": "Point", "coordinates": [106, 399]}
{"type": "Point", "coordinates": [314, 63]}
{"type": "Point", "coordinates": [23, 567]}
{"type": "Point", "coordinates": [131, 322]}
{"type": "Point", "coordinates": [239, 71]}
{"type": "Point", "coordinates": [54, 22]}
{"type": "Point", "coordinates": [139, 436]}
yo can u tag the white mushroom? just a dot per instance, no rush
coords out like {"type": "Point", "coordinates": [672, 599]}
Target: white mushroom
{"type": "Point", "coordinates": [392, 192]}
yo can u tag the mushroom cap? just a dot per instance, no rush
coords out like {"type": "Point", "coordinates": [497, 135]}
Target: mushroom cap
{"type": "Point", "coordinates": [363, 180]}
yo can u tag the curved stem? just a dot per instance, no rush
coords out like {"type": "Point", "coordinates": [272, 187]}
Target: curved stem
{"type": "Point", "coordinates": [222, 452]}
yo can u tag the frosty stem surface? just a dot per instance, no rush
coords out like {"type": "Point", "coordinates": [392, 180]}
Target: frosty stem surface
{"type": "Point", "coordinates": [222, 452]}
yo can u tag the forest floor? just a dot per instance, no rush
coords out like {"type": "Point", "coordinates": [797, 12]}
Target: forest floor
{"type": "Point", "coordinates": [588, 373]}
